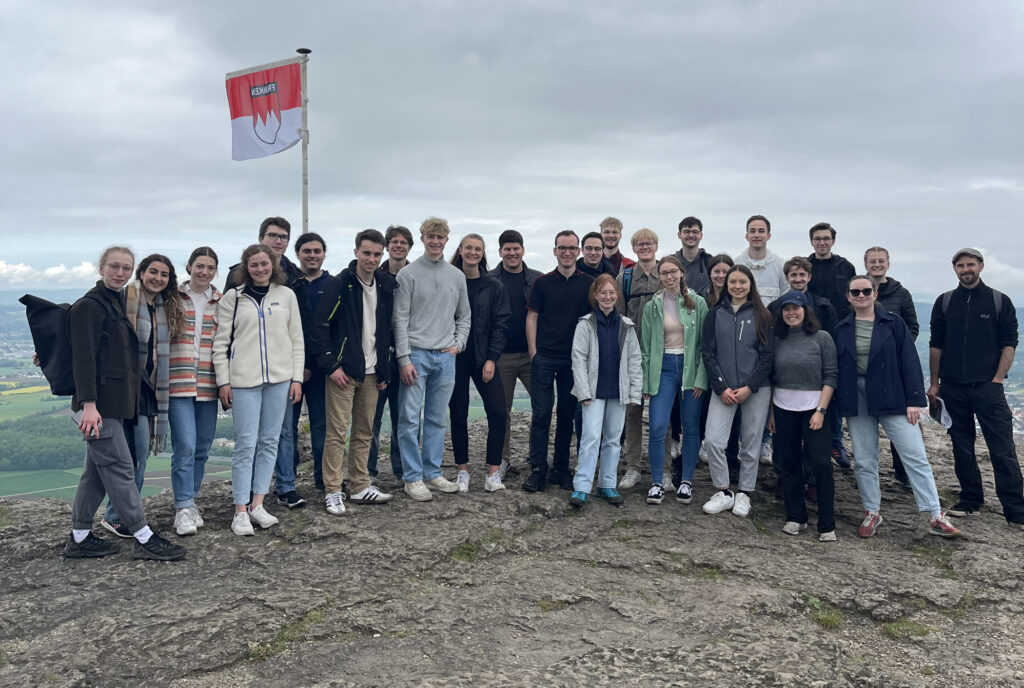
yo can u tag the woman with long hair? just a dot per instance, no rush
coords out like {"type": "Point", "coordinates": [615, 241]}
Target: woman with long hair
{"type": "Point", "coordinates": [737, 347]}
{"type": "Point", "coordinates": [105, 364]}
{"type": "Point", "coordinates": [673, 372]}
{"type": "Point", "coordinates": [258, 357]}
{"type": "Point", "coordinates": [804, 376]}
{"type": "Point", "coordinates": [193, 388]}
{"type": "Point", "coordinates": [718, 268]}
{"type": "Point", "coordinates": [881, 383]}
{"type": "Point", "coordinates": [607, 375]}
{"type": "Point", "coordinates": [154, 309]}
{"type": "Point", "coordinates": [490, 313]}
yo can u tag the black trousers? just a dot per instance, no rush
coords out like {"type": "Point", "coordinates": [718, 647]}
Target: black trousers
{"type": "Point", "coordinates": [546, 375]}
{"type": "Point", "coordinates": [987, 402]}
{"type": "Point", "coordinates": [793, 433]}
{"type": "Point", "coordinates": [493, 396]}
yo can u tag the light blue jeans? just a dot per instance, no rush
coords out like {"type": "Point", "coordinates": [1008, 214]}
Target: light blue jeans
{"type": "Point", "coordinates": [661, 408]}
{"type": "Point", "coordinates": [193, 424]}
{"type": "Point", "coordinates": [602, 428]}
{"type": "Point", "coordinates": [908, 442]}
{"type": "Point", "coordinates": [258, 414]}
{"type": "Point", "coordinates": [141, 440]}
{"type": "Point", "coordinates": [431, 391]}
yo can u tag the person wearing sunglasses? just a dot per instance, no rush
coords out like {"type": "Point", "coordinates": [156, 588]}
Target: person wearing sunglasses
{"type": "Point", "coordinates": [881, 384]}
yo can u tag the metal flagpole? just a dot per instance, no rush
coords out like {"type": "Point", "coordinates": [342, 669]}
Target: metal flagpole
{"type": "Point", "coordinates": [304, 132]}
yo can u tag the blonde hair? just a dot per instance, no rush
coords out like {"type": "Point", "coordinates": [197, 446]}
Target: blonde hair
{"type": "Point", "coordinates": [641, 234]}
{"type": "Point", "coordinates": [434, 225]}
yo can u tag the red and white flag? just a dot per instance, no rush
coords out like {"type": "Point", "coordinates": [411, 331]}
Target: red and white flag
{"type": "Point", "coordinates": [266, 108]}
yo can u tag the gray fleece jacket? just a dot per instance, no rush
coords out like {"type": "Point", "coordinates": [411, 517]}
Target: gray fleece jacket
{"type": "Point", "coordinates": [585, 361]}
{"type": "Point", "coordinates": [431, 308]}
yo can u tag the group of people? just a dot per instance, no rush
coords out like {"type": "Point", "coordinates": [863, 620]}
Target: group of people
{"type": "Point", "coordinates": [744, 360]}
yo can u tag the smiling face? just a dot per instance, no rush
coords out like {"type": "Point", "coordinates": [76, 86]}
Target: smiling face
{"type": "Point", "coordinates": [433, 245]}
{"type": "Point", "coordinates": [472, 252]}
{"type": "Point", "coordinates": [511, 256]}
{"type": "Point", "coordinates": [398, 247]}
{"type": "Point", "coordinates": [757, 234]}
{"type": "Point", "coordinates": [261, 268]}
{"type": "Point", "coordinates": [645, 250]}
{"type": "Point", "coordinates": [276, 240]}
{"type": "Point", "coordinates": [606, 297]}
{"type": "Point", "coordinates": [739, 287]}
{"type": "Point", "coordinates": [368, 257]}
{"type": "Point", "coordinates": [593, 251]}
{"type": "Point", "coordinates": [566, 248]}
{"type": "Point", "coordinates": [155, 277]}
{"type": "Point", "coordinates": [877, 264]}
{"type": "Point", "coordinates": [798, 279]}
{"type": "Point", "coordinates": [669, 275]}
{"type": "Point", "coordinates": [968, 270]}
{"type": "Point", "coordinates": [610, 237]}
{"type": "Point", "coordinates": [690, 236]}
{"type": "Point", "coordinates": [822, 242]}
{"type": "Point", "coordinates": [117, 269]}
{"type": "Point", "coordinates": [718, 274]}
{"type": "Point", "coordinates": [793, 315]}
{"type": "Point", "coordinates": [311, 257]}
{"type": "Point", "coordinates": [861, 295]}
{"type": "Point", "coordinates": [201, 272]}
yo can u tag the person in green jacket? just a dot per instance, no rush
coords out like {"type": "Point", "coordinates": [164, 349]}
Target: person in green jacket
{"type": "Point", "coordinates": [673, 367]}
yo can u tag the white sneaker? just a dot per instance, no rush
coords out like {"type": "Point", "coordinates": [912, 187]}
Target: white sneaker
{"type": "Point", "coordinates": [741, 505]}
{"type": "Point", "coordinates": [766, 454]}
{"type": "Point", "coordinates": [184, 524]}
{"type": "Point", "coordinates": [630, 479]}
{"type": "Point", "coordinates": [702, 454]}
{"type": "Point", "coordinates": [719, 502]}
{"type": "Point", "coordinates": [335, 503]}
{"type": "Point", "coordinates": [197, 516]}
{"type": "Point", "coordinates": [493, 483]}
{"type": "Point", "coordinates": [830, 536]}
{"type": "Point", "coordinates": [463, 482]}
{"type": "Point", "coordinates": [241, 525]}
{"type": "Point", "coordinates": [793, 528]}
{"type": "Point", "coordinates": [262, 517]}
{"type": "Point", "coordinates": [418, 491]}
{"type": "Point", "coordinates": [442, 484]}
{"type": "Point", "coordinates": [503, 469]}
{"type": "Point", "coordinates": [370, 495]}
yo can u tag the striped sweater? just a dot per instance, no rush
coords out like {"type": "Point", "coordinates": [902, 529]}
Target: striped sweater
{"type": "Point", "coordinates": [187, 378]}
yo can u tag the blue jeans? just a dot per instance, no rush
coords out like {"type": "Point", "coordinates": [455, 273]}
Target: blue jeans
{"type": "Point", "coordinates": [669, 388]}
{"type": "Point", "coordinates": [314, 395]}
{"type": "Point", "coordinates": [140, 441]}
{"type": "Point", "coordinates": [431, 390]}
{"type": "Point", "coordinates": [284, 470]}
{"type": "Point", "coordinates": [909, 443]}
{"type": "Point", "coordinates": [602, 428]}
{"type": "Point", "coordinates": [258, 413]}
{"type": "Point", "coordinates": [387, 396]}
{"type": "Point", "coordinates": [545, 373]}
{"type": "Point", "coordinates": [193, 424]}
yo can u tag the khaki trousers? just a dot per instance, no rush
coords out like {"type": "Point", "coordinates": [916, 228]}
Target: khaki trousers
{"type": "Point", "coordinates": [352, 405]}
{"type": "Point", "coordinates": [511, 367]}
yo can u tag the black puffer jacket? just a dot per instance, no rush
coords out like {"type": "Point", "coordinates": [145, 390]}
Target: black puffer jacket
{"type": "Point", "coordinates": [893, 297]}
{"type": "Point", "coordinates": [490, 312]}
{"type": "Point", "coordinates": [115, 386]}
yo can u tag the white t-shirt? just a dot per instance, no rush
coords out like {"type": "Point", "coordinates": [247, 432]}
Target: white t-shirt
{"type": "Point", "coordinates": [369, 325]}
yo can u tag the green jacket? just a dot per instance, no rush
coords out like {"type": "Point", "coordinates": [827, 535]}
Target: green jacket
{"type": "Point", "coordinates": [652, 342]}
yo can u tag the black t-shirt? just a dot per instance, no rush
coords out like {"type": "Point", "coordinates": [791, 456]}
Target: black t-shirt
{"type": "Point", "coordinates": [515, 288]}
{"type": "Point", "coordinates": [559, 303]}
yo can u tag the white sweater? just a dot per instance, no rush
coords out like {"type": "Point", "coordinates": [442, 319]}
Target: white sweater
{"type": "Point", "coordinates": [268, 345]}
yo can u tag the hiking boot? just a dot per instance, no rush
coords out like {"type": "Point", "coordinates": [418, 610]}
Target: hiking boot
{"type": "Point", "coordinates": [840, 458]}
{"type": "Point", "coordinates": [828, 536]}
{"type": "Point", "coordinates": [262, 517]}
{"type": "Point", "coordinates": [943, 528]}
{"type": "Point", "coordinates": [157, 548]}
{"type": "Point", "coordinates": [536, 482]}
{"type": "Point", "coordinates": [493, 483]}
{"type": "Point", "coordinates": [741, 505]}
{"type": "Point", "coordinates": [610, 495]}
{"type": "Point", "coordinates": [793, 528]}
{"type": "Point", "coordinates": [766, 454]}
{"type": "Point", "coordinates": [962, 510]}
{"type": "Point", "coordinates": [656, 494]}
{"type": "Point", "coordinates": [441, 484]}
{"type": "Point", "coordinates": [722, 500]}
{"type": "Point", "coordinates": [370, 495]}
{"type": "Point", "coordinates": [463, 482]}
{"type": "Point", "coordinates": [241, 525]}
{"type": "Point", "coordinates": [418, 491]}
{"type": "Point", "coordinates": [291, 499]}
{"type": "Point", "coordinates": [872, 519]}
{"type": "Point", "coordinates": [578, 498]}
{"type": "Point", "coordinates": [118, 529]}
{"type": "Point", "coordinates": [630, 479]}
{"type": "Point", "coordinates": [334, 502]}
{"type": "Point", "coordinates": [89, 548]}
{"type": "Point", "coordinates": [684, 494]}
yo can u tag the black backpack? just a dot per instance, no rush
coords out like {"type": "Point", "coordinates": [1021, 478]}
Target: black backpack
{"type": "Point", "coordinates": [52, 339]}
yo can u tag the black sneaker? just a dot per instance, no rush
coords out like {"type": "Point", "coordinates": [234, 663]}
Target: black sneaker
{"type": "Point", "coordinates": [118, 529]}
{"type": "Point", "coordinates": [564, 480]}
{"type": "Point", "coordinates": [536, 482]}
{"type": "Point", "coordinates": [157, 549]}
{"type": "Point", "coordinates": [961, 510]}
{"type": "Point", "coordinates": [291, 499]}
{"type": "Point", "coordinates": [90, 547]}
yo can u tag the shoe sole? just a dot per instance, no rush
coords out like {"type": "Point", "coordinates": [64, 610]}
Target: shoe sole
{"type": "Point", "coordinates": [296, 505]}
{"type": "Point", "coordinates": [962, 514]}
{"type": "Point", "coordinates": [244, 534]}
{"type": "Point", "coordinates": [88, 555]}
{"type": "Point", "coordinates": [577, 503]}
{"type": "Point", "coordinates": [147, 555]}
{"type": "Point", "coordinates": [713, 512]}
{"type": "Point", "coordinates": [445, 490]}
{"type": "Point", "coordinates": [873, 530]}
{"type": "Point", "coordinates": [186, 533]}
{"type": "Point", "coordinates": [494, 489]}
{"type": "Point", "coordinates": [684, 500]}
{"type": "Point", "coordinates": [740, 515]}
{"type": "Point", "coordinates": [943, 534]}
{"type": "Point", "coordinates": [655, 500]}
{"type": "Point", "coordinates": [425, 498]}
{"type": "Point", "coordinates": [335, 513]}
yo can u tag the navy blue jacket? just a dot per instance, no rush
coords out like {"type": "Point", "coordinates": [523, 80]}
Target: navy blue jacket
{"type": "Point", "coordinates": [894, 378]}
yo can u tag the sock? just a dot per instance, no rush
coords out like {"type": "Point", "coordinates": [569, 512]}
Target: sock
{"type": "Point", "coordinates": [79, 535]}
{"type": "Point", "coordinates": [936, 514]}
{"type": "Point", "coordinates": [143, 534]}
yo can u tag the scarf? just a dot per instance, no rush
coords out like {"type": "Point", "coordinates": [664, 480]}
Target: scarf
{"type": "Point", "coordinates": [138, 315]}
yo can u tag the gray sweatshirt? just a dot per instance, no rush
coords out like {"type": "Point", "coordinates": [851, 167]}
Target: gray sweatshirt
{"type": "Point", "coordinates": [805, 361]}
{"type": "Point", "coordinates": [431, 308]}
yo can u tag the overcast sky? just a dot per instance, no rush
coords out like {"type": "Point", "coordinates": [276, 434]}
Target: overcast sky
{"type": "Point", "coordinates": [899, 123]}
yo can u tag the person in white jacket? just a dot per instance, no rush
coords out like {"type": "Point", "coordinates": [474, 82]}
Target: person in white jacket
{"type": "Point", "coordinates": [258, 356]}
{"type": "Point", "coordinates": [607, 377]}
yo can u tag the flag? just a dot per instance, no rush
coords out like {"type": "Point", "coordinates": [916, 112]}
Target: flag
{"type": "Point", "coordinates": [266, 108]}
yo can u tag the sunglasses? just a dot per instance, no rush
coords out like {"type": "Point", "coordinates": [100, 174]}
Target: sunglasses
{"type": "Point", "coordinates": [861, 292]}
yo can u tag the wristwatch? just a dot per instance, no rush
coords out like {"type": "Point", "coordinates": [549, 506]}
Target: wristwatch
{"type": "Point", "coordinates": [822, 411]}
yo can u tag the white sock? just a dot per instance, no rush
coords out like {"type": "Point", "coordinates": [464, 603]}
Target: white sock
{"type": "Point", "coordinates": [79, 535]}
{"type": "Point", "coordinates": [936, 514]}
{"type": "Point", "coordinates": [143, 534]}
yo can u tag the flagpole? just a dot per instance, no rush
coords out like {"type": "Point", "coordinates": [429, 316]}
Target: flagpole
{"type": "Point", "coordinates": [304, 132]}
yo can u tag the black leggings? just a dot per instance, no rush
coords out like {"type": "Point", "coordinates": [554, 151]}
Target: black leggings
{"type": "Point", "coordinates": [792, 430]}
{"type": "Point", "coordinates": [493, 396]}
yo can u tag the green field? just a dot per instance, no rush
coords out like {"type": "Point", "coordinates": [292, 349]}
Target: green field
{"type": "Point", "coordinates": [14, 406]}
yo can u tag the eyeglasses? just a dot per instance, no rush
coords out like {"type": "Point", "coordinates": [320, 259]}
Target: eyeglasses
{"type": "Point", "coordinates": [567, 249]}
{"type": "Point", "coordinates": [644, 244]}
{"type": "Point", "coordinates": [669, 273]}
{"type": "Point", "coordinates": [273, 236]}
{"type": "Point", "coordinates": [691, 231]}
{"type": "Point", "coordinates": [593, 249]}
{"type": "Point", "coordinates": [861, 292]}
{"type": "Point", "coordinates": [115, 267]}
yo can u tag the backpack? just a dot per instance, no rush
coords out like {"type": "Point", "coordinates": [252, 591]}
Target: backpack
{"type": "Point", "coordinates": [51, 337]}
{"type": "Point", "coordinates": [997, 298]}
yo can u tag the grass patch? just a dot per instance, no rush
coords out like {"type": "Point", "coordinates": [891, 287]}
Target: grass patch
{"type": "Point", "coordinates": [962, 608]}
{"type": "Point", "coordinates": [289, 633]}
{"type": "Point", "coordinates": [688, 567]}
{"type": "Point", "coordinates": [572, 512]}
{"type": "Point", "coordinates": [939, 557]}
{"type": "Point", "coordinates": [622, 523]}
{"type": "Point", "coordinates": [927, 671]}
{"type": "Point", "coordinates": [760, 527]}
{"type": "Point", "coordinates": [551, 605]}
{"type": "Point", "coordinates": [823, 613]}
{"type": "Point", "coordinates": [5, 517]}
{"type": "Point", "coordinates": [468, 551]}
{"type": "Point", "coordinates": [904, 628]}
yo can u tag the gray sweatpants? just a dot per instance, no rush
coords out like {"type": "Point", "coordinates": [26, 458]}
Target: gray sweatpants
{"type": "Point", "coordinates": [716, 437]}
{"type": "Point", "coordinates": [108, 470]}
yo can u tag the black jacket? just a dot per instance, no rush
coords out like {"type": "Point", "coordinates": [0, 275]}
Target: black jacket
{"type": "Point", "coordinates": [894, 378]}
{"type": "Point", "coordinates": [337, 329]}
{"type": "Point", "coordinates": [830, 278]}
{"type": "Point", "coordinates": [490, 314]}
{"type": "Point", "coordinates": [605, 267]}
{"type": "Point", "coordinates": [531, 277]}
{"type": "Point", "coordinates": [115, 386]}
{"type": "Point", "coordinates": [823, 309]}
{"type": "Point", "coordinates": [893, 297]}
{"type": "Point", "coordinates": [970, 335]}
{"type": "Point", "coordinates": [734, 356]}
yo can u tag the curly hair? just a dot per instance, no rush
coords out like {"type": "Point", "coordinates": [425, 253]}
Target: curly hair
{"type": "Point", "coordinates": [173, 306]}
{"type": "Point", "coordinates": [241, 274]}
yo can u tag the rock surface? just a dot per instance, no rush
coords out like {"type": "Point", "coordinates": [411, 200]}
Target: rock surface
{"type": "Point", "coordinates": [513, 588]}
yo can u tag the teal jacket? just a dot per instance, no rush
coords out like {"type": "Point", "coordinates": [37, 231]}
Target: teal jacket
{"type": "Point", "coordinates": [652, 342]}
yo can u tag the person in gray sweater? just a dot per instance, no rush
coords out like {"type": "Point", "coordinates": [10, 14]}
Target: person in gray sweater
{"type": "Point", "coordinates": [430, 326]}
{"type": "Point", "coordinates": [804, 374]}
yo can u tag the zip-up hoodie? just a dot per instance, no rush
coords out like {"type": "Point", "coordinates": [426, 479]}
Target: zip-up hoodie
{"type": "Point", "coordinates": [970, 335]}
{"type": "Point", "coordinates": [697, 275]}
{"type": "Point", "coordinates": [733, 355]}
{"type": "Point", "coordinates": [268, 344]}
{"type": "Point", "coordinates": [585, 361]}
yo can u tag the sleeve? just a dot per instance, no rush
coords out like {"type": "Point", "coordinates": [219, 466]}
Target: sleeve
{"type": "Point", "coordinates": [620, 304]}
{"type": "Point", "coordinates": [633, 367]}
{"type": "Point", "coordinates": [463, 315]}
{"type": "Point", "coordinates": [1007, 324]}
{"type": "Point", "coordinates": [646, 325]}
{"type": "Point", "coordinates": [319, 342]}
{"type": "Point", "coordinates": [937, 339]}
{"type": "Point", "coordinates": [911, 374]}
{"type": "Point", "coordinates": [829, 362]}
{"type": "Point", "coordinates": [536, 300]}
{"type": "Point", "coordinates": [400, 319]}
{"type": "Point", "coordinates": [709, 353]}
{"type": "Point", "coordinates": [700, 380]}
{"type": "Point", "coordinates": [765, 359]}
{"type": "Point", "coordinates": [297, 338]}
{"type": "Point", "coordinates": [501, 312]}
{"type": "Point", "coordinates": [85, 319]}
{"type": "Point", "coordinates": [909, 314]}
{"type": "Point", "coordinates": [829, 317]}
{"type": "Point", "coordinates": [225, 326]}
{"type": "Point", "coordinates": [580, 354]}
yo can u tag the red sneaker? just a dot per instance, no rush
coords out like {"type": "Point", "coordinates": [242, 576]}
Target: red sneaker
{"type": "Point", "coordinates": [943, 528]}
{"type": "Point", "coordinates": [872, 520]}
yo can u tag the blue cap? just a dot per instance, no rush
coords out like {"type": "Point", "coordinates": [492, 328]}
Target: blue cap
{"type": "Point", "coordinates": [797, 297]}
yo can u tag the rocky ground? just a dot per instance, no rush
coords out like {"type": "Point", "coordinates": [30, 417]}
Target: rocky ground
{"type": "Point", "coordinates": [519, 589]}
